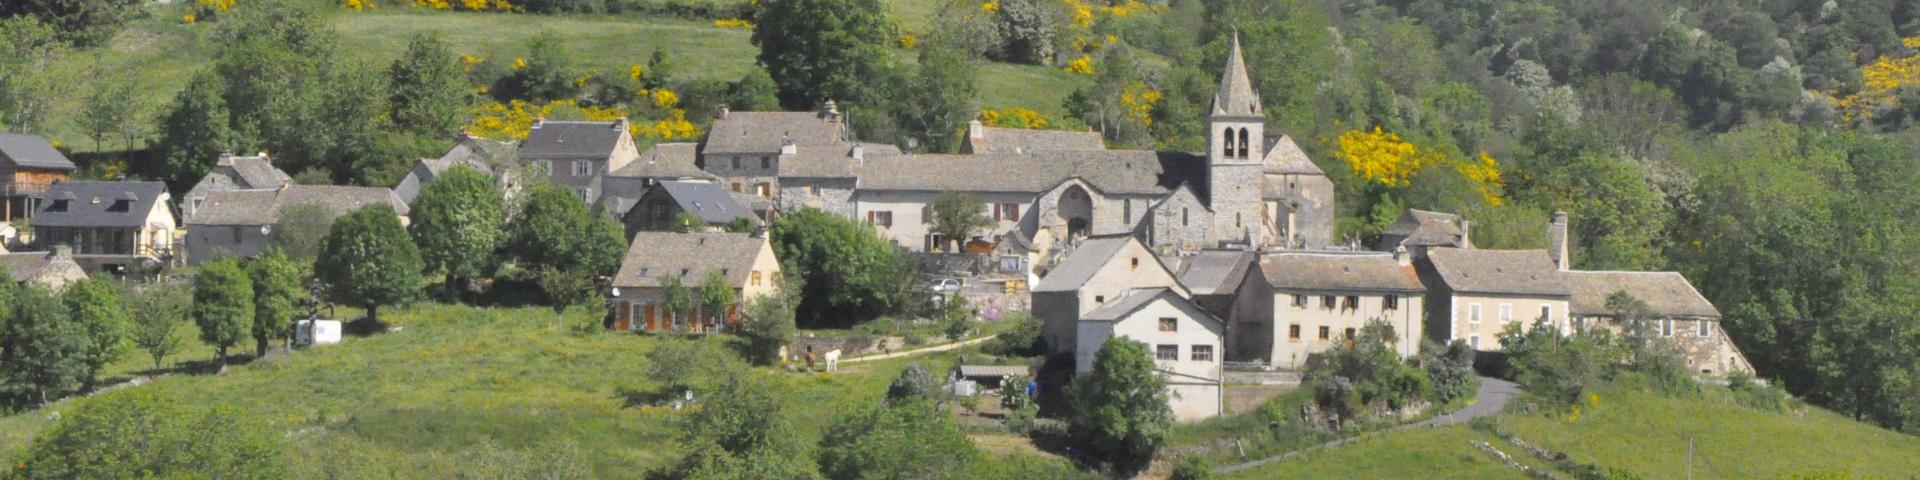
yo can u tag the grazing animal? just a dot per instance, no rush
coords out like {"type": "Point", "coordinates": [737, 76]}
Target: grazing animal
{"type": "Point", "coordinates": [833, 360]}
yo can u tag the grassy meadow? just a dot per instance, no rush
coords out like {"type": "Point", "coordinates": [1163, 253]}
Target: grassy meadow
{"type": "Point", "coordinates": [461, 385]}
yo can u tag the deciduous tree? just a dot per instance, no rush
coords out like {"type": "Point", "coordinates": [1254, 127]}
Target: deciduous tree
{"type": "Point", "coordinates": [157, 313]}
{"type": "Point", "coordinates": [1120, 407]}
{"type": "Point", "coordinates": [457, 225]}
{"type": "Point", "coordinates": [95, 305]}
{"type": "Point", "coordinates": [426, 89]}
{"type": "Point", "coordinates": [818, 50]}
{"type": "Point", "coordinates": [276, 290]}
{"type": "Point", "coordinates": [368, 261]}
{"type": "Point", "coordinates": [956, 216]}
{"type": "Point", "coordinates": [223, 306]}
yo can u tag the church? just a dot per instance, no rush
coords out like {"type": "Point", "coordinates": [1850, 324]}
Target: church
{"type": "Point", "coordinates": [1247, 191]}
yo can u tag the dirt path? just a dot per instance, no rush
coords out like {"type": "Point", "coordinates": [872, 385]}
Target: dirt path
{"type": "Point", "coordinates": [909, 353]}
{"type": "Point", "coordinates": [1489, 400]}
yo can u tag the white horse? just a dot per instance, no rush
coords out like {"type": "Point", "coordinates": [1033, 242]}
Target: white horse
{"type": "Point", "coordinates": [833, 360]}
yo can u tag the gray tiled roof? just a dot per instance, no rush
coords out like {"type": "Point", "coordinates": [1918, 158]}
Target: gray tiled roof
{"type": "Point", "coordinates": [656, 254]}
{"type": "Point", "coordinates": [1117, 308]}
{"type": "Point", "coordinates": [665, 160]}
{"type": "Point", "coordinates": [263, 206]}
{"type": "Point", "coordinates": [1512, 272]}
{"type": "Point", "coordinates": [994, 371]}
{"type": "Point", "coordinates": [1421, 227]}
{"type": "Point", "coordinates": [1020, 140]}
{"type": "Point", "coordinates": [1666, 293]}
{"type": "Point", "coordinates": [1134, 172]}
{"type": "Point", "coordinates": [238, 173]}
{"type": "Point", "coordinates": [1286, 157]}
{"type": "Point", "coordinates": [32, 151]}
{"type": "Point", "coordinates": [830, 161]}
{"type": "Point", "coordinates": [1339, 271]}
{"type": "Point", "coordinates": [1080, 264]}
{"type": "Point", "coordinates": [706, 199]}
{"type": "Point", "coordinates": [87, 204]}
{"type": "Point", "coordinates": [1211, 272]}
{"type": "Point", "coordinates": [766, 132]}
{"type": "Point", "coordinates": [1236, 96]}
{"type": "Point", "coordinates": [563, 140]}
{"type": "Point", "coordinates": [25, 266]}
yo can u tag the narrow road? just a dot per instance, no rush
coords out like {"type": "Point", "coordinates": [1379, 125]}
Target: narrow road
{"type": "Point", "coordinates": [909, 353]}
{"type": "Point", "coordinates": [1489, 400]}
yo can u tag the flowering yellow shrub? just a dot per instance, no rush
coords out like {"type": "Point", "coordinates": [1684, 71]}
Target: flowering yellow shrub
{"type": "Point", "coordinates": [1013, 117]}
{"type": "Point", "coordinates": [991, 6]}
{"type": "Point", "coordinates": [514, 119]}
{"type": "Point", "coordinates": [519, 63]}
{"type": "Point", "coordinates": [636, 72]}
{"type": "Point", "coordinates": [665, 98]}
{"type": "Point", "coordinates": [1082, 65]}
{"type": "Point", "coordinates": [675, 127]}
{"type": "Point", "coordinates": [358, 5]}
{"type": "Point", "coordinates": [1880, 81]}
{"type": "Point", "coordinates": [908, 41]}
{"type": "Point", "coordinates": [468, 61]}
{"type": "Point", "coordinates": [1138, 100]}
{"type": "Point", "coordinates": [1082, 13]}
{"type": "Point", "coordinates": [433, 4]}
{"type": "Point", "coordinates": [1485, 175]}
{"type": "Point", "coordinates": [222, 6]}
{"type": "Point", "coordinates": [733, 23]}
{"type": "Point", "coordinates": [1381, 157]}
{"type": "Point", "coordinates": [188, 18]}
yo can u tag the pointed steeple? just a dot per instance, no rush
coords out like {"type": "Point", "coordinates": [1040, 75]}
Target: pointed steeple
{"type": "Point", "coordinates": [1236, 97]}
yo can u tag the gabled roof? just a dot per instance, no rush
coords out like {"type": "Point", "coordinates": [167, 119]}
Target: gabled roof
{"type": "Point", "coordinates": [98, 204]}
{"type": "Point", "coordinates": [1020, 140]}
{"type": "Point", "coordinates": [263, 206]}
{"type": "Point", "coordinates": [1511, 272]}
{"type": "Point", "coordinates": [1236, 97]}
{"type": "Point", "coordinates": [1339, 271]}
{"type": "Point", "coordinates": [1665, 293]}
{"type": "Point", "coordinates": [563, 140]}
{"type": "Point", "coordinates": [688, 256]}
{"type": "Point", "coordinates": [1286, 157]}
{"type": "Point", "coordinates": [1081, 263]}
{"type": "Point", "coordinates": [830, 161]}
{"type": "Point", "coordinates": [239, 173]}
{"type": "Point", "coordinates": [477, 151]}
{"type": "Point", "coordinates": [1125, 172]}
{"type": "Point", "coordinates": [32, 151]}
{"type": "Point", "coordinates": [29, 266]}
{"type": "Point", "coordinates": [666, 160]}
{"type": "Point", "coordinates": [1120, 308]}
{"type": "Point", "coordinates": [1210, 272]}
{"type": "Point", "coordinates": [766, 132]}
{"type": "Point", "coordinates": [1421, 227]}
{"type": "Point", "coordinates": [706, 199]}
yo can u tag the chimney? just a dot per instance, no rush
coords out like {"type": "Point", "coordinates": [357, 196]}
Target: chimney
{"type": "Point", "coordinates": [830, 111]}
{"type": "Point", "coordinates": [976, 131]}
{"type": "Point", "coordinates": [1466, 233]}
{"type": "Point", "coordinates": [285, 184]}
{"type": "Point", "coordinates": [788, 149]}
{"type": "Point", "coordinates": [859, 152]}
{"type": "Point", "coordinates": [620, 124]}
{"type": "Point", "coordinates": [1557, 240]}
{"type": "Point", "coordinates": [1401, 256]}
{"type": "Point", "coordinates": [226, 158]}
{"type": "Point", "coordinates": [722, 115]}
{"type": "Point", "coordinates": [61, 251]}
{"type": "Point", "coordinates": [540, 120]}
{"type": "Point", "coordinates": [1292, 228]}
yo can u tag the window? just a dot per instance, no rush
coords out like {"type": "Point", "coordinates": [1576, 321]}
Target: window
{"type": "Point", "coordinates": [1245, 150]}
{"type": "Point", "coordinates": [1350, 334]}
{"type": "Point", "coordinates": [764, 189]}
{"type": "Point", "coordinates": [1506, 313]}
{"type": "Point", "coordinates": [1007, 211]}
{"type": "Point", "coordinates": [737, 187]}
{"type": "Point", "coordinates": [736, 163]}
{"type": "Point", "coordinates": [1126, 210]}
{"type": "Point", "coordinates": [1227, 136]}
{"type": "Point", "coordinates": [1009, 263]}
{"type": "Point", "coordinates": [643, 272]}
{"type": "Point", "coordinates": [1166, 352]}
{"type": "Point", "coordinates": [1293, 332]}
{"type": "Point", "coordinates": [1135, 264]}
{"type": "Point", "coordinates": [766, 163]}
{"type": "Point", "coordinates": [1546, 312]}
{"type": "Point", "coordinates": [883, 219]}
{"type": "Point", "coordinates": [1390, 302]}
{"type": "Point", "coordinates": [1473, 313]}
{"type": "Point", "coordinates": [59, 205]}
{"type": "Point", "coordinates": [545, 167]}
{"type": "Point", "coordinates": [754, 278]}
{"type": "Point", "coordinates": [1299, 301]}
{"type": "Point", "coordinates": [1236, 219]}
{"type": "Point", "coordinates": [236, 234]}
{"type": "Point", "coordinates": [1326, 332]}
{"type": "Point", "coordinates": [1202, 353]}
{"type": "Point", "coordinates": [121, 205]}
{"type": "Point", "coordinates": [585, 193]}
{"type": "Point", "coordinates": [1666, 327]}
{"type": "Point", "coordinates": [1183, 216]}
{"type": "Point", "coordinates": [813, 188]}
{"type": "Point", "coordinates": [1352, 302]}
{"type": "Point", "coordinates": [1326, 302]}
{"type": "Point", "coordinates": [1169, 324]}
{"type": "Point", "coordinates": [1473, 341]}
{"type": "Point", "coordinates": [582, 168]}
{"type": "Point", "coordinates": [1098, 299]}
{"type": "Point", "coordinates": [1706, 328]}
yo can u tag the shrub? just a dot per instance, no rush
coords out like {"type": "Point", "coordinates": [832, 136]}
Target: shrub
{"type": "Point", "coordinates": [1559, 369]}
{"type": "Point", "coordinates": [1023, 340]}
{"type": "Point", "coordinates": [1364, 372]}
{"type": "Point", "coordinates": [1752, 393]}
{"type": "Point", "coordinates": [1120, 409]}
{"type": "Point", "coordinates": [913, 383]}
{"type": "Point", "coordinates": [136, 434]}
{"type": "Point", "coordinates": [1450, 367]}
{"type": "Point", "coordinates": [1192, 468]}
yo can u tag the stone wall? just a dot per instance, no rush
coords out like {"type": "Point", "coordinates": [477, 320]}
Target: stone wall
{"type": "Point", "coordinates": [1309, 198]}
{"type": "Point", "coordinates": [1179, 224]}
{"type": "Point", "coordinates": [836, 195]}
{"type": "Point", "coordinates": [1235, 190]}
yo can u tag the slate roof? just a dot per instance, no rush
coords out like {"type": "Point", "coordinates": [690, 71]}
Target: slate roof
{"type": "Point", "coordinates": [994, 371]}
{"type": "Point", "coordinates": [479, 151]}
{"type": "Point", "coordinates": [1020, 140]}
{"type": "Point", "coordinates": [666, 160]}
{"type": "Point", "coordinates": [706, 199]}
{"type": "Point", "coordinates": [1236, 97]}
{"type": "Point", "coordinates": [1080, 264]}
{"type": "Point", "coordinates": [239, 173]}
{"type": "Point", "coordinates": [1118, 308]}
{"type": "Point", "coordinates": [1339, 271]}
{"type": "Point", "coordinates": [1665, 293]}
{"type": "Point", "coordinates": [656, 254]}
{"type": "Point", "coordinates": [830, 161]}
{"type": "Point", "coordinates": [1135, 172]}
{"type": "Point", "coordinates": [27, 266]}
{"type": "Point", "coordinates": [766, 132]}
{"type": "Point", "coordinates": [564, 140]}
{"type": "Point", "coordinates": [1286, 157]}
{"type": "Point", "coordinates": [87, 204]}
{"type": "Point", "coordinates": [263, 206]}
{"type": "Point", "coordinates": [1210, 272]}
{"type": "Point", "coordinates": [32, 151]}
{"type": "Point", "coordinates": [1512, 272]}
{"type": "Point", "coordinates": [1421, 227]}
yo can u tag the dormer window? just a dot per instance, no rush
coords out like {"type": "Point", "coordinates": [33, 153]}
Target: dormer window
{"type": "Point", "coordinates": [59, 205]}
{"type": "Point", "coordinates": [120, 206]}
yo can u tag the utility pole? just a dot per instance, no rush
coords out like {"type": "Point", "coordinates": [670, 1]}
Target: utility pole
{"type": "Point", "coordinates": [1689, 457]}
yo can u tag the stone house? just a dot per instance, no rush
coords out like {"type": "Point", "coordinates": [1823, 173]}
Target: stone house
{"type": "Point", "coordinates": [111, 225]}
{"type": "Point", "coordinates": [1676, 311]}
{"type": "Point", "coordinates": [1321, 298]}
{"type": "Point", "coordinates": [1097, 270]}
{"type": "Point", "coordinates": [1185, 341]}
{"type": "Point", "coordinates": [748, 150]}
{"type": "Point", "coordinates": [1229, 286]}
{"type": "Point", "coordinates": [52, 270]}
{"type": "Point", "coordinates": [28, 165]}
{"type": "Point", "coordinates": [746, 261]}
{"type": "Point", "coordinates": [491, 157]}
{"type": "Point", "coordinates": [1473, 294]}
{"type": "Point", "coordinates": [240, 223]}
{"type": "Point", "coordinates": [659, 209]}
{"type": "Point", "coordinates": [232, 172]}
{"type": "Point", "coordinates": [982, 139]}
{"type": "Point", "coordinates": [1417, 230]}
{"type": "Point", "coordinates": [620, 189]}
{"type": "Point", "coordinates": [577, 155]}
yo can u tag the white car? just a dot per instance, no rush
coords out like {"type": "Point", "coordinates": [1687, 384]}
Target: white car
{"type": "Point", "coordinates": [944, 285]}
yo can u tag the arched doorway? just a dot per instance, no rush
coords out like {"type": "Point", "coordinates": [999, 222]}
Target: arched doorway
{"type": "Point", "coordinates": [1076, 211]}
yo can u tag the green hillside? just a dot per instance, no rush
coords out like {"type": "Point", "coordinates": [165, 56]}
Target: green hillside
{"type": "Point", "coordinates": [459, 385]}
{"type": "Point", "coordinates": [1631, 431]}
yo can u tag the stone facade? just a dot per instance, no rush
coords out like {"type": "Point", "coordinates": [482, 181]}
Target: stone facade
{"type": "Point", "coordinates": [1300, 207]}
{"type": "Point", "coordinates": [1179, 223]}
{"type": "Point", "coordinates": [833, 195]}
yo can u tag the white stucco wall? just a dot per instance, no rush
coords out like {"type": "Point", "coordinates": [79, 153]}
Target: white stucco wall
{"type": "Point", "coordinates": [1487, 330]}
{"type": "Point", "coordinates": [1288, 352]}
{"type": "Point", "coordinates": [1194, 385]}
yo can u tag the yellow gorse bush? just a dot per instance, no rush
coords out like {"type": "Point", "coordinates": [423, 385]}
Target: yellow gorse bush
{"type": "Point", "coordinates": [665, 98]}
{"type": "Point", "coordinates": [222, 6]}
{"type": "Point", "coordinates": [990, 7]}
{"type": "Point", "coordinates": [1013, 117]}
{"type": "Point", "coordinates": [1381, 157]}
{"type": "Point", "coordinates": [1880, 81]}
{"type": "Point", "coordinates": [1485, 175]}
{"type": "Point", "coordinates": [1082, 65]}
{"type": "Point", "coordinates": [1137, 102]}
{"type": "Point", "coordinates": [733, 23]}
